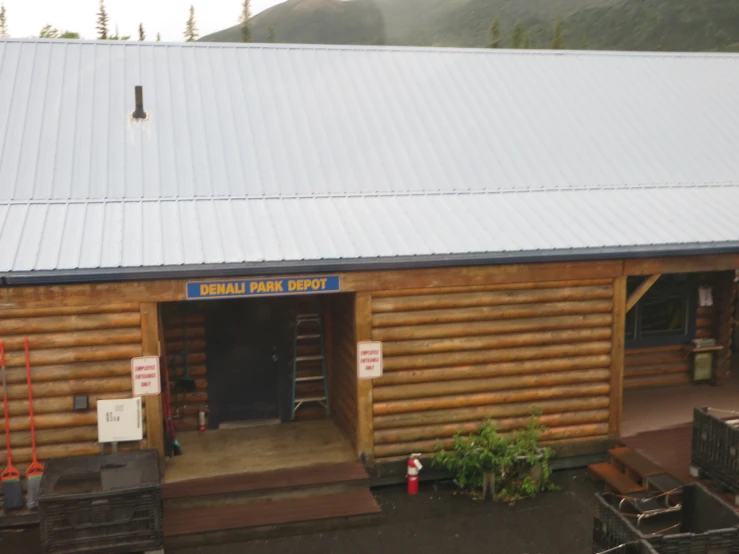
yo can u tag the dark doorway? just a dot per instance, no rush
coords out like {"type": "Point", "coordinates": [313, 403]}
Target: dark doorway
{"type": "Point", "coordinates": [245, 359]}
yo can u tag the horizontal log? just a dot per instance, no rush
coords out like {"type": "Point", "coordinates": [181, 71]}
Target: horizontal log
{"type": "Point", "coordinates": [22, 456]}
{"type": "Point", "coordinates": [703, 333]}
{"type": "Point", "coordinates": [484, 399]}
{"type": "Point", "coordinates": [200, 396]}
{"type": "Point", "coordinates": [652, 349]}
{"type": "Point", "coordinates": [195, 371]}
{"type": "Point", "coordinates": [173, 320]}
{"type": "Point", "coordinates": [528, 285]}
{"type": "Point", "coordinates": [482, 328]}
{"type": "Point", "coordinates": [662, 369]}
{"type": "Point", "coordinates": [54, 436]}
{"type": "Point", "coordinates": [479, 413]}
{"type": "Point", "coordinates": [59, 404]}
{"type": "Point", "coordinates": [194, 346]}
{"type": "Point", "coordinates": [72, 387]}
{"type": "Point", "coordinates": [443, 431]}
{"type": "Point", "coordinates": [200, 384]}
{"type": "Point", "coordinates": [178, 333]}
{"type": "Point", "coordinates": [428, 446]}
{"type": "Point", "coordinates": [75, 339]}
{"type": "Point", "coordinates": [59, 356]}
{"type": "Point", "coordinates": [494, 356]}
{"type": "Point", "coordinates": [193, 359]}
{"type": "Point", "coordinates": [704, 323]}
{"type": "Point", "coordinates": [54, 421]}
{"type": "Point", "coordinates": [62, 310]}
{"type": "Point", "coordinates": [89, 370]}
{"type": "Point", "coordinates": [657, 381]}
{"type": "Point", "coordinates": [517, 340]}
{"type": "Point", "coordinates": [63, 324]}
{"type": "Point", "coordinates": [483, 313]}
{"type": "Point", "coordinates": [634, 363]}
{"type": "Point", "coordinates": [498, 298]}
{"type": "Point", "coordinates": [467, 386]}
{"type": "Point", "coordinates": [491, 370]}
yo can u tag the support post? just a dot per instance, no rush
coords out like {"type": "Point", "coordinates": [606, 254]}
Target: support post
{"type": "Point", "coordinates": [150, 346]}
{"type": "Point", "coordinates": [617, 357]}
{"type": "Point", "coordinates": [640, 291]}
{"type": "Point", "coordinates": [365, 423]}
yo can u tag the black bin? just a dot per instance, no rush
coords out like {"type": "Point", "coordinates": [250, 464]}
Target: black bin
{"type": "Point", "coordinates": [107, 503]}
{"type": "Point", "coordinates": [715, 448]}
{"type": "Point", "coordinates": [705, 524]}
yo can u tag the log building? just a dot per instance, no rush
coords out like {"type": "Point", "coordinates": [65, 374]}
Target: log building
{"type": "Point", "coordinates": [520, 230]}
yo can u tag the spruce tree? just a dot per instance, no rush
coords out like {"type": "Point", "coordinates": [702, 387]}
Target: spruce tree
{"type": "Point", "coordinates": [662, 45]}
{"type": "Point", "coordinates": [244, 19]}
{"type": "Point", "coordinates": [159, 37]}
{"type": "Point", "coordinates": [142, 33]}
{"type": "Point", "coordinates": [3, 22]}
{"type": "Point", "coordinates": [191, 28]}
{"type": "Point", "coordinates": [495, 33]}
{"type": "Point", "coordinates": [270, 34]}
{"type": "Point", "coordinates": [527, 41]}
{"type": "Point", "coordinates": [103, 20]}
{"type": "Point", "coordinates": [558, 42]}
{"type": "Point", "coordinates": [47, 31]}
{"type": "Point", "coordinates": [518, 36]}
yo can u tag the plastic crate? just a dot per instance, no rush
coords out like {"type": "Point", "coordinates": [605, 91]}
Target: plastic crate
{"type": "Point", "coordinates": [705, 524]}
{"type": "Point", "coordinates": [715, 448]}
{"type": "Point", "coordinates": [103, 504]}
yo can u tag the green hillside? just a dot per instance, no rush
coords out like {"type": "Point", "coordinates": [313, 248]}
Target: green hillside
{"type": "Point", "coordinates": [314, 22]}
{"type": "Point", "coordinates": [687, 25]}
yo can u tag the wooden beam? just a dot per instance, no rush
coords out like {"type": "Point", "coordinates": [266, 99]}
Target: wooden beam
{"type": "Point", "coordinates": [365, 424]}
{"type": "Point", "coordinates": [640, 291]}
{"type": "Point", "coordinates": [617, 356]}
{"type": "Point", "coordinates": [150, 345]}
{"type": "Point", "coordinates": [681, 264]}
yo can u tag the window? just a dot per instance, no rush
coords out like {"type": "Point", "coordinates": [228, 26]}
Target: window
{"type": "Point", "coordinates": [665, 314]}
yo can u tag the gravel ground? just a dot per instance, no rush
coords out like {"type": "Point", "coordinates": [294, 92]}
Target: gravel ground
{"type": "Point", "coordinates": [437, 520]}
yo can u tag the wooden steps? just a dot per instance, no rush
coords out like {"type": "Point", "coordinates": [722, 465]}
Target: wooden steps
{"type": "Point", "coordinates": [614, 479]}
{"type": "Point", "coordinates": [628, 472]}
{"type": "Point", "coordinates": [247, 506]}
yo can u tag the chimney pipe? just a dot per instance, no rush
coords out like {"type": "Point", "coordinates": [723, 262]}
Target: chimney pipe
{"type": "Point", "coordinates": [139, 112]}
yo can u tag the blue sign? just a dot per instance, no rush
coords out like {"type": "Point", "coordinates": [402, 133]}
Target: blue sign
{"type": "Point", "coordinates": [204, 290]}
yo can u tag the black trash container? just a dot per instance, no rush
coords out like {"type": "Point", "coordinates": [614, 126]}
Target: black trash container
{"type": "Point", "coordinates": [109, 503]}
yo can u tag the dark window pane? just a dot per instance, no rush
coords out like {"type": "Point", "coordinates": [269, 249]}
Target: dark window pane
{"type": "Point", "coordinates": [663, 315]}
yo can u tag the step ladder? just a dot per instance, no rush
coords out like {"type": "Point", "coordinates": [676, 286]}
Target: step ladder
{"type": "Point", "coordinates": [308, 331]}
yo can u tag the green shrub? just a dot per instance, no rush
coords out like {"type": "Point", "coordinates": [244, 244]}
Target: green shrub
{"type": "Point", "coordinates": [519, 465]}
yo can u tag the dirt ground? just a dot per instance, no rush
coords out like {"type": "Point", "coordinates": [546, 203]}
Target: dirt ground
{"type": "Point", "coordinates": [436, 521]}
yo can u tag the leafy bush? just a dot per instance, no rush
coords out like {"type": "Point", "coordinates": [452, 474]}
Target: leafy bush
{"type": "Point", "coordinates": [519, 465]}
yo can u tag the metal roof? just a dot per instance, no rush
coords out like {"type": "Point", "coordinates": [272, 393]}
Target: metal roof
{"type": "Point", "coordinates": [271, 153]}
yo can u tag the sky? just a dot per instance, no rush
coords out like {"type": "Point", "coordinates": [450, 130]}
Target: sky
{"type": "Point", "coordinates": [27, 17]}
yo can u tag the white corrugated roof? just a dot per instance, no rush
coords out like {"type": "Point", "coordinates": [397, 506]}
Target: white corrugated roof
{"type": "Point", "coordinates": [257, 153]}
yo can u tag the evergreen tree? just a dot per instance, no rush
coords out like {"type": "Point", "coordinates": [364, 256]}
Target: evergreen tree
{"type": "Point", "coordinates": [70, 35]}
{"type": "Point", "coordinates": [159, 37]}
{"type": "Point", "coordinates": [3, 22]}
{"type": "Point", "coordinates": [585, 43]}
{"type": "Point", "coordinates": [47, 31]}
{"type": "Point", "coordinates": [662, 45]}
{"type": "Point", "coordinates": [558, 42]}
{"type": "Point", "coordinates": [270, 34]}
{"type": "Point", "coordinates": [142, 33]}
{"type": "Point", "coordinates": [495, 33]}
{"type": "Point", "coordinates": [191, 28]}
{"type": "Point", "coordinates": [518, 36]}
{"type": "Point", "coordinates": [244, 20]}
{"type": "Point", "coordinates": [117, 35]}
{"type": "Point", "coordinates": [527, 41]}
{"type": "Point", "coordinates": [103, 20]}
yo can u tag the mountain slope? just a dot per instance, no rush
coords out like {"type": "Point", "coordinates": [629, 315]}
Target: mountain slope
{"type": "Point", "coordinates": [313, 22]}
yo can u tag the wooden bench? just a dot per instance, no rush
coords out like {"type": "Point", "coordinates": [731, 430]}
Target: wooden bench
{"type": "Point", "coordinates": [614, 479]}
{"type": "Point", "coordinates": [634, 464]}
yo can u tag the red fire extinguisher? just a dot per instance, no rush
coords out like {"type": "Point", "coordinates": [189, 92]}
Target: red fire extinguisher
{"type": "Point", "coordinates": [414, 466]}
{"type": "Point", "coordinates": [201, 421]}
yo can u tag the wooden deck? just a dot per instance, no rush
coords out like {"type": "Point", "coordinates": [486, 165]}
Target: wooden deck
{"type": "Point", "coordinates": [668, 448]}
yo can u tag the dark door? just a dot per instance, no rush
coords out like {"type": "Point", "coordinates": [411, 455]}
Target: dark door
{"type": "Point", "coordinates": [243, 338]}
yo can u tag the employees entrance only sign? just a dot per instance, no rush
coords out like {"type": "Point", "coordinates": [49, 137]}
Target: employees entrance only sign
{"type": "Point", "coordinates": [145, 375]}
{"type": "Point", "coordinates": [369, 360]}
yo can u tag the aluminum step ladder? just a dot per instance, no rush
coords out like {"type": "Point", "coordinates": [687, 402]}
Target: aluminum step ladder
{"type": "Point", "coordinates": [308, 330]}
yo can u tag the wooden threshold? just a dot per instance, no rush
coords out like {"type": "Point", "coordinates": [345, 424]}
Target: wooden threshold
{"type": "Point", "coordinates": [260, 514]}
{"type": "Point", "coordinates": [264, 481]}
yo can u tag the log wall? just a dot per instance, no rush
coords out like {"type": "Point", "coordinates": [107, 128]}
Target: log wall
{"type": "Point", "coordinates": [342, 360]}
{"type": "Point", "coordinates": [671, 365]}
{"type": "Point", "coordinates": [73, 350]}
{"type": "Point", "coordinates": [185, 407]}
{"type": "Point", "coordinates": [455, 357]}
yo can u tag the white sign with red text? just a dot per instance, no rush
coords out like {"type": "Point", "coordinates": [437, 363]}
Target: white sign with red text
{"type": "Point", "coordinates": [145, 375]}
{"type": "Point", "coordinates": [369, 360]}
